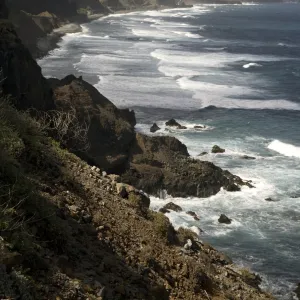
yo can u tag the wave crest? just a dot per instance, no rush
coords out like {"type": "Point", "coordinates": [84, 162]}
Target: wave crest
{"type": "Point", "coordinates": [284, 148]}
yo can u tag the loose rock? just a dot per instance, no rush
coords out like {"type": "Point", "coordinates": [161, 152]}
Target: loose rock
{"type": "Point", "coordinates": [224, 219]}
{"type": "Point", "coordinates": [172, 206]}
{"type": "Point", "coordinates": [154, 128]}
{"type": "Point", "coordinates": [203, 153]}
{"type": "Point", "coordinates": [172, 123]}
{"type": "Point", "coordinates": [217, 149]}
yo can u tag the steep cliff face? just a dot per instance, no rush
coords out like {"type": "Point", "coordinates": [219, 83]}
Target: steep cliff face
{"type": "Point", "coordinates": [22, 78]}
{"type": "Point", "coordinates": [3, 10]}
{"type": "Point", "coordinates": [63, 8]}
{"type": "Point", "coordinates": [110, 132]}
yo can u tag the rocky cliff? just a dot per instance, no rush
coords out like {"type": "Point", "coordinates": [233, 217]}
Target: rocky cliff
{"type": "Point", "coordinates": [66, 233]}
{"type": "Point", "coordinates": [21, 75]}
{"type": "Point", "coordinates": [70, 231]}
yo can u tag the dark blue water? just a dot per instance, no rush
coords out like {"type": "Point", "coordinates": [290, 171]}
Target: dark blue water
{"type": "Point", "coordinates": [236, 70]}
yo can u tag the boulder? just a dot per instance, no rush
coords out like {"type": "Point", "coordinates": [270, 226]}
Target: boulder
{"type": "Point", "coordinates": [199, 127]}
{"type": "Point", "coordinates": [202, 153]}
{"type": "Point", "coordinates": [181, 127]}
{"type": "Point", "coordinates": [224, 219]}
{"type": "Point", "coordinates": [163, 210]}
{"type": "Point", "coordinates": [172, 123]}
{"type": "Point", "coordinates": [22, 76]}
{"type": "Point", "coordinates": [217, 149]}
{"type": "Point", "coordinates": [269, 199]}
{"type": "Point", "coordinates": [154, 128]}
{"type": "Point", "coordinates": [135, 196]}
{"type": "Point", "coordinates": [172, 206]}
{"type": "Point", "coordinates": [193, 214]}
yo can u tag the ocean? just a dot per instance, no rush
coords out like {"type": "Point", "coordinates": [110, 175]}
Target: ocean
{"type": "Point", "coordinates": [234, 69]}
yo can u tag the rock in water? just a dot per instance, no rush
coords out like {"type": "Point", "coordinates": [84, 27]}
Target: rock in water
{"type": "Point", "coordinates": [269, 199]}
{"type": "Point", "coordinates": [193, 214]}
{"type": "Point", "coordinates": [164, 210]}
{"type": "Point", "coordinates": [217, 149]}
{"type": "Point", "coordinates": [199, 127]}
{"type": "Point", "coordinates": [154, 128]}
{"type": "Point", "coordinates": [248, 157]}
{"type": "Point", "coordinates": [181, 127]}
{"type": "Point", "coordinates": [224, 219]}
{"type": "Point", "coordinates": [173, 123]}
{"type": "Point", "coordinates": [172, 206]}
{"type": "Point", "coordinates": [203, 153]}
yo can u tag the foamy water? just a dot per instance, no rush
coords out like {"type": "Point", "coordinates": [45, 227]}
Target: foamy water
{"type": "Point", "coordinates": [210, 66]}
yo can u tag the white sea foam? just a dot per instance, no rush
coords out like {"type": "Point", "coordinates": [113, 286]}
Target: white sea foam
{"type": "Point", "coordinates": [193, 35]}
{"type": "Point", "coordinates": [177, 71]}
{"type": "Point", "coordinates": [219, 59]}
{"type": "Point", "coordinates": [250, 65]}
{"type": "Point", "coordinates": [284, 148]}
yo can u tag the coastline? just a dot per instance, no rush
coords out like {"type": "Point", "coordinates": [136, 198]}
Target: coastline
{"type": "Point", "coordinates": [180, 272]}
{"type": "Point", "coordinates": [51, 40]}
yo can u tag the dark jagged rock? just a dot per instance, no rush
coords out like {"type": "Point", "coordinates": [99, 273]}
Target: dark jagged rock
{"type": "Point", "coordinates": [163, 210]}
{"type": "Point", "coordinates": [154, 128]}
{"type": "Point", "coordinates": [248, 157]}
{"type": "Point", "coordinates": [224, 219]}
{"type": "Point", "coordinates": [172, 206]}
{"type": "Point", "coordinates": [162, 163]}
{"type": "Point", "coordinates": [110, 133]}
{"type": "Point", "coordinates": [203, 153]}
{"type": "Point", "coordinates": [269, 199]}
{"type": "Point", "coordinates": [181, 127]}
{"type": "Point", "coordinates": [199, 127]}
{"type": "Point", "coordinates": [193, 214]}
{"type": "Point", "coordinates": [3, 10]}
{"type": "Point", "coordinates": [172, 123]}
{"type": "Point", "coordinates": [217, 149]}
{"type": "Point", "coordinates": [23, 79]}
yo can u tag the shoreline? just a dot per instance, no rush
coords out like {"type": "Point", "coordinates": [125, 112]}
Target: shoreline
{"type": "Point", "coordinates": [51, 40]}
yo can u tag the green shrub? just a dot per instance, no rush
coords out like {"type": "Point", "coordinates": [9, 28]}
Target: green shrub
{"type": "Point", "coordinates": [184, 234]}
{"type": "Point", "coordinates": [163, 227]}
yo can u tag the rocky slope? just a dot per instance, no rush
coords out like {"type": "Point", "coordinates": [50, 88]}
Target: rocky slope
{"type": "Point", "coordinates": [22, 75]}
{"type": "Point", "coordinates": [65, 233]}
{"type": "Point", "coordinates": [152, 164]}
{"type": "Point", "coordinates": [69, 230]}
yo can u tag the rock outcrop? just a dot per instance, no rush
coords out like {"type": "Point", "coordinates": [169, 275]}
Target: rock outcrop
{"type": "Point", "coordinates": [154, 128]}
{"type": "Point", "coordinates": [174, 123]}
{"type": "Point", "coordinates": [224, 219]}
{"type": "Point", "coordinates": [21, 75]}
{"type": "Point", "coordinates": [217, 149]}
{"type": "Point", "coordinates": [3, 10]}
{"type": "Point", "coordinates": [163, 163]}
{"type": "Point", "coordinates": [172, 206]}
{"type": "Point", "coordinates": [110, 132]}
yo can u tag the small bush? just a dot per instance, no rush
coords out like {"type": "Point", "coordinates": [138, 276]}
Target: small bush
{"type": "Point", "coordinates": [184, 234]}
{"type": "Point", "coordinates": [163, 227]}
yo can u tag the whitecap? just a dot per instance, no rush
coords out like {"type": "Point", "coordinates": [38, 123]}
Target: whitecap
{"type": "Point", "coordinates": [250, 65]}
{"type": "Point", "coordinates": [284, 148]}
